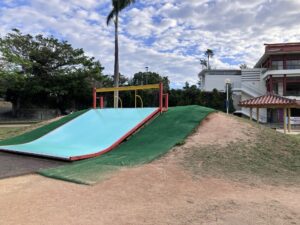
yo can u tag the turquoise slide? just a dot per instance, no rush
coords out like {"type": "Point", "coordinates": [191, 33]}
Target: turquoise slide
{"type": "Point", "coordinates": [93, 133]}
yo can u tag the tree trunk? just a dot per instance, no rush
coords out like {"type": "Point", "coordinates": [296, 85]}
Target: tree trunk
{"type": "Point", "coordinates": [116, 68]}
{"type": "Point", "coordinates": [208, 66]}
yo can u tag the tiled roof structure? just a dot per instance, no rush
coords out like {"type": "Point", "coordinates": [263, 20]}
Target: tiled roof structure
{"type": "Point", "coordinates": [268, 100]}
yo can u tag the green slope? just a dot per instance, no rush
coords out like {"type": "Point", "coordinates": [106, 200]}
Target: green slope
{"type": "Point", "coordinates": [41, 131]}
{"type": "Point", "coordinates": [149, 143]}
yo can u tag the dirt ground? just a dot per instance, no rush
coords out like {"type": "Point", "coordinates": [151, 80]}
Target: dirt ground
{"type": "Point", "coordinates": [161, 192]}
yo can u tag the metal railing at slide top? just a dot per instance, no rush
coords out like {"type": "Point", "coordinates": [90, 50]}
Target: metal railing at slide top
{"type": "Point", "coordinates": [163, 98]}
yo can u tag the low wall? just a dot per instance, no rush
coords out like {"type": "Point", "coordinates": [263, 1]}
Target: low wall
{"type": "Point", "coordinates": [38, 114]}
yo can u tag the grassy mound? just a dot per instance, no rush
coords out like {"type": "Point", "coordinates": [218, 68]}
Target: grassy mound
{"type": "Point", "coordinates": [149, 143]}
{"type": "Point", "coordinates": [271, 157]}
{"type": "Point", "coordinates": [41, 131]}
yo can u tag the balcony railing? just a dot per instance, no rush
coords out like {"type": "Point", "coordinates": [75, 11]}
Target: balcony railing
{"type": "Point", "coordinates": [292, 93]}
{"type": "Point", "coordinates": [288, 67]}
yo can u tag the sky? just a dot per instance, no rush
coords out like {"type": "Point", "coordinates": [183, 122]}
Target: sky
{"type": "Point", "coordinates": [168, 36]}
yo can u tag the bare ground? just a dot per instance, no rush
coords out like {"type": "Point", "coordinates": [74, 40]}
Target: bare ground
{"type": "Point", "coordinates": [162, 192]}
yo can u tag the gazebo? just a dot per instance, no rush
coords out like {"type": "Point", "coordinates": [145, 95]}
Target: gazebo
{"type": "Point", "coordinates": [272, 101]}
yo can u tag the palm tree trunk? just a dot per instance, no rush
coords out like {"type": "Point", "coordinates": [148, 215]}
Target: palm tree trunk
{"type": "Point", "coordinates": [208, 66]}
{"type": "Point", "coordinates": [116, 67]}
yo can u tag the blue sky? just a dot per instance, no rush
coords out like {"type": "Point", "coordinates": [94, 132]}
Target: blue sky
{"type": "Point", "coordinates": [168, 36]}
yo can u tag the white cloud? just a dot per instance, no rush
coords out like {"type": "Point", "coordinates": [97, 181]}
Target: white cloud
{"type": "Point", "coordinates": [169, 36]}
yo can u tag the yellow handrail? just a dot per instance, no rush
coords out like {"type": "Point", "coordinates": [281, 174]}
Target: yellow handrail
{"type": "Point", "coordinates": [129, 88]}
{"type": "Point", "coordinates": [142, 104]}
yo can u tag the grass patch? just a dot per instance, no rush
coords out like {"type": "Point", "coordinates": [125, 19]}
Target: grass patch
{"type": "Point", "coordinates": [272, 157]}
{"type": "Point", "coordinates": [27, 134]}
{"type": "Point", "coordinates": [151, 142]}
{"type": "Point", "coordinates": [7, 132]}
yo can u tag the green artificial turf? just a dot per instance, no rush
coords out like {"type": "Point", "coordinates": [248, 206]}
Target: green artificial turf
{"type": "Point", "coordinates": [154, 140]}
{"type": "Point", "coordinates": [41, 131]}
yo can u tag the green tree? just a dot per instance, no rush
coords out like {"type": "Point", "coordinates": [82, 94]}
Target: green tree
{"type": "Point", "coordinates": [150, 97]}
{"type": "Point", "coordinates": [118, 6]}
{"type": "Point", "coordinates": [150, 78]}
{"type": "Point", "coordinates": [203, 63]}
{"type": "Point", "coordinates": [244, 66]}
{"type": "Point", "coordinates": [209, 54]}
{"type": "Point", "coordinates": [43, 71]}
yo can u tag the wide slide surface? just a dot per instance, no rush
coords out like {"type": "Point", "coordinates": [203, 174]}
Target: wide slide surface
{"type": "Point", "coordinates": [90, 134]}
{"type": "Point", "coordinates": [151, 142]}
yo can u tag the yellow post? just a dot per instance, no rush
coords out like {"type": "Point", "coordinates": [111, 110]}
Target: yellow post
{"type": "Point", "coordinates": [141, 100]}
{"type": "Point", "coordinates": [118, 99]}
{"type": "Point", "coordinates": [284, 120]}
{"type": "Point", "coordinates": [289, 120]}
{"type": "Point", "coordinates": [257, 115]}
{"type": "Point", "coordinates": [250, 114]}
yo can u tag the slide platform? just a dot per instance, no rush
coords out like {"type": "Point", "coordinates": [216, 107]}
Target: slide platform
{"type": "Point", "coordinates": [93, 133]}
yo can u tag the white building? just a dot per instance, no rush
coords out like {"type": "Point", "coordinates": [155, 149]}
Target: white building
{"type": "Point", "coordinates": [276, 72]}
{"type": "Point", "coordinates": [215, 79]}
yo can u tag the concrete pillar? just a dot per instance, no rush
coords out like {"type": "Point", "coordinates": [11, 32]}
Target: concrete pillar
{"type": "Point", "coordinates": [284, 85]}
{"type": "Point", "coordinates": [271, 84]}
{"type": "Point", "coordinates": [257, 115]}
{"type": "Point", "coordinates": [289, 120]}
{"type": "Point", "coordinates": [284, 120]}
{"type": "Point", "coordinates": [250, 114]}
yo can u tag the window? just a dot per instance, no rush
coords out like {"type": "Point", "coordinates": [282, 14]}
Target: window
{"type": "Point", "coordinates": [277, 65]}
{"type": "Point", "coordinates": [293, 64]}
{"type": "Point", "coordinates": [293, 89]}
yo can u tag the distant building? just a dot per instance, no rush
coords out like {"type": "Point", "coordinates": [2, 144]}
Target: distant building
{"type": "Point", "coordinates": [215, 79]}
{"type": "Point", "coordinates": [276, 72]}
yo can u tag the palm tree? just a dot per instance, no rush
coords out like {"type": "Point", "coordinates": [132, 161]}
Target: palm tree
{"type": "Point", "coordinates": [118, 6]}
{"type": "Point", "coordinates": [203, 63]}
{"type": "Point", "coordinates": [243, 66]}
{"type": "Point", "coordinates": [209, 54]}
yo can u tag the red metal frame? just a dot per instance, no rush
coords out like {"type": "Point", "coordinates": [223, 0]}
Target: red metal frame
{"type": "Point", "coordinates": [161, 91]}
{"type": "Point", "coordinates": [101, 102]}
{"type": "Point", "coordinates": [166, 98]}
{"type": "Point", "coordinates": [94, 98]}
{"type": "Point", "coordinates": [161, 96]}
{"type": "Point", "coordinates": [118, 141]}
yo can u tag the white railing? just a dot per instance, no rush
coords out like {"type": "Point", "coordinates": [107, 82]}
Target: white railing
{"type": "Point", "coordinates": [262, 117]}
{"type": "Point", "coordinates": [252, 90]}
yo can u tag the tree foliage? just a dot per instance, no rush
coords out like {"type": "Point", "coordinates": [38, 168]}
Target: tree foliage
{"type": "Point", "coordinates": [244, 66]}
{"type": "Point", "coordinates": [141, 78]}
{"type": "Point", "coordinates": [203, 63]}
{"type": "Point", "coordinates": [209, 54]}
{"type": "Point", "coordinates": [43, 71]}
{"type": "Point", "coordinates": [192, 95]}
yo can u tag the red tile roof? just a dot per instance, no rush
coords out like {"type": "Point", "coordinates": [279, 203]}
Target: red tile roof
{"type": "Point", "coordinates": [268, 100]}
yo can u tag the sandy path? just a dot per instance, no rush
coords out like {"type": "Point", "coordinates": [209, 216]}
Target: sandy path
{"type": "Point", "coordinates": [157, 193]}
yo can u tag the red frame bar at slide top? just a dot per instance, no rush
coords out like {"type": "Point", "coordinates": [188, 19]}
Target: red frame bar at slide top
{"type": "Point", "coordinates": [166, 106]}
{"type": "Point", "coordinates": [101, 102]}
{"type": "Point", "coordinates": [161, 92]}
{"type": "Point", "coordinates": [94, 98]}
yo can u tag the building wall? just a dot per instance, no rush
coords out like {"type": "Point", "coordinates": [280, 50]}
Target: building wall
{"type": "Point", "coordinates": [250, 84]}
{"type": "Point", "coordinates": [218, 82]}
